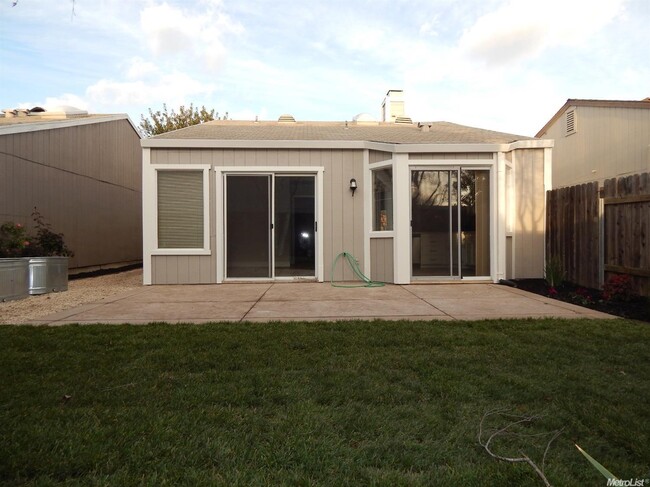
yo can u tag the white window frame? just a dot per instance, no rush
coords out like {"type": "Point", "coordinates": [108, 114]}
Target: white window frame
{"type": "Point", "coordinates": [402, 211]}
{"type": "Point", "coordinates": [205, 250]}
{"type": "Point", "coordinates": [220, 207]}
{"type": "Point", "coordinates": [375, 167]}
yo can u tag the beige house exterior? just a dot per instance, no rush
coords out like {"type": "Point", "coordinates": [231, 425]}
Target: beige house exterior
{"type": "Point", "coordinates": [230, 201]}
{"type": "Point", "coordinates": [598, 139]}
{"type": "Point", "coordinates": [84, 174]}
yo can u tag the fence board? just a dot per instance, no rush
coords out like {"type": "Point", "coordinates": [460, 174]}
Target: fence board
{"type": "Point", "coordinates": [572, 230]}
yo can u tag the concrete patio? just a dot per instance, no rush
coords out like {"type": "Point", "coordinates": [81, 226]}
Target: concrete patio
{"type": "Point", "coordinates": [316, 301]}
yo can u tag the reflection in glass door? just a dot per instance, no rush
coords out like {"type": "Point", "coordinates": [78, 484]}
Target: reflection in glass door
{"type": "Point", "coordinates": [294, 227]}
{"type": "Point", "coordinates": [248, 224]}
{"type": "Point", "coordinates": [270, 226]}
{"type": "Point", "coordinates": [450, 223]}
{"type": "Point", "coordinates": [434, 223]}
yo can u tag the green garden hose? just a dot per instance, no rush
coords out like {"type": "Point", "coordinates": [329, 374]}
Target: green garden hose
{"type": "Point", "coordinates": [354, 265]}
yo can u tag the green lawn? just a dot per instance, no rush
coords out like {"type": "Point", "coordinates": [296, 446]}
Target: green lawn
{"type": "Point", "coordinates": [348, 403]}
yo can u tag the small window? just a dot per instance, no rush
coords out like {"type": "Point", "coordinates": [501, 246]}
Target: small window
{"type": "Point", "coordinates": [382, 201]}
{"type": "Point", "coordinates": [180, 209]}
{"type": "Point", "coordinates": [571, 122]}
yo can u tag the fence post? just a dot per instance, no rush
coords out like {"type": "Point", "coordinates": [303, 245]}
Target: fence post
{"type": "Point", "coordinates": [601, 238]}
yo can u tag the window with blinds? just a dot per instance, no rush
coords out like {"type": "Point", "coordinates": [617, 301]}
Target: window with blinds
{"type": "Point", "coordinates": [180, 209]}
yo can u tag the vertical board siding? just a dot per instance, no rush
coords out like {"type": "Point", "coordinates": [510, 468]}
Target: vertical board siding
{"type": "Point", "coordinates": [180, 269]}
{"type": "Point", "coordinates": [342, 224]}
{"type": "Point", "coordinates": [85, 180]}
{"type": "Point", "coordinates": [608, 143]}
{"type": "Point", "coordinates": [627, 230]}
{"type": "Point", "coordinates": [381, 260]}
{"type": "Point", "coordinates": [529, 213]}
{"type": "Point", "coordinates": [379, 156]}
{"type": "Point", "coordinates": [572, 232]}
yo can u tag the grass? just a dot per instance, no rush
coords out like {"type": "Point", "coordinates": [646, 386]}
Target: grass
{"type": "Point", "coordinates": [348, 403]}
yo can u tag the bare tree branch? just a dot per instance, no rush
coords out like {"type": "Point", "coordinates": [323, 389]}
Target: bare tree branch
{"type": "Point", "coordinates": [505, 432]}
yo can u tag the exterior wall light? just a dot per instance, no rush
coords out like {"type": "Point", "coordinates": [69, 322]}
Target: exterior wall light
{"type": "Point", "coordinates": [353, 186]}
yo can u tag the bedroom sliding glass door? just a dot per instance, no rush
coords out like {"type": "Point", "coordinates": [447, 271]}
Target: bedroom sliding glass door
{"type": "Point", "coordinates": [450, 223]}
{"type": "Point", "coordinates": [270, 226]}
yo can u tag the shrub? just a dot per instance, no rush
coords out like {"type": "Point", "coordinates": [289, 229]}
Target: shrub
{"type": "Point", "coordinates": [47, 243]}
{"type": "Point", "coordinates": [13, 240]}
{"type": "Point", "coordinates": [618, 288]}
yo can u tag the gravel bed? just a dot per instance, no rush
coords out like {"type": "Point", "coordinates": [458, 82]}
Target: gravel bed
{"type": "Point", "coordinates": [80, 291]}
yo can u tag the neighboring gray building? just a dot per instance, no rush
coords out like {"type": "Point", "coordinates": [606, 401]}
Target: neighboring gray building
{"type": "Point", "coordinates": [84, 174]}
{"type": "Point", "coordinates": [598, 139]}
{"type": "Point", "coordinates": [227, 201]}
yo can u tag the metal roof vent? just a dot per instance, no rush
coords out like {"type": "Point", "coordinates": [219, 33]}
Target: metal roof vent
{"type": "Point", "coordinates": [405, 120]}
{"type": "Point", "coordinates": [286, 118]}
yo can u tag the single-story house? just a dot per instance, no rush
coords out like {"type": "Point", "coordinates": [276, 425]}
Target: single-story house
{"type": "Point", "coordinates": [597, 140]}
{"type": "Point", "coordinates": [229, 201]}
{"type": "Point", "coordinates": [83, 172]}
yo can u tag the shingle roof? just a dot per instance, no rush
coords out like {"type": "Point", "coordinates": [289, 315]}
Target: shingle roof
{"type": "Point", "coordinates": [438, 133]}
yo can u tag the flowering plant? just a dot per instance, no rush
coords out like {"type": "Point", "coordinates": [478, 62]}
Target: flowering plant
{"type": "Point", "coordinates": [618, 288]}
{"type": "Point", "coordinates": [13, 240]}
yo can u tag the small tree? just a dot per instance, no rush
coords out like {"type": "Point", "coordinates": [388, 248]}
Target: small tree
{"type": "Point", "coordinates": [166, 121]}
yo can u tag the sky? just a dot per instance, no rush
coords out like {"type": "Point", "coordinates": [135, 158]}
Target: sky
{"type": "Point", "coordinates": [505, 65]}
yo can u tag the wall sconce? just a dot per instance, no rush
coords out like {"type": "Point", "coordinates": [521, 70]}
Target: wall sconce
{"type": "Point", "coordinates": [353, 186]}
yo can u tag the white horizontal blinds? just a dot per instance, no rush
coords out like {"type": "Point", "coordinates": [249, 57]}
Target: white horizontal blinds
{"type": "Point", "coordinates": [180, 209]}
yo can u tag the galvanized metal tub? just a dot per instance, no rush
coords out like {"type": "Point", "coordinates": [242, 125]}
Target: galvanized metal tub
{"type": "Point", "coordinates": [48, 274]}
{"type": "Point", "coordinates": [14, 279]}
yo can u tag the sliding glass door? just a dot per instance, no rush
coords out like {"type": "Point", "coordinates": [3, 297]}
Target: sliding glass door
{"type": "Point", "coordinates": [270, 226]}
{"type": "Point", "coordinates": [248, 226]}
{"type": "Point", "coordinates": [450, 223]}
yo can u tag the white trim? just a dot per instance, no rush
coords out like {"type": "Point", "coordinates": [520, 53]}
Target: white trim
{"type": "Point", "coordinates": [35, 126]}
{"type": "Point", "coordinates": [499, 220]}
{"type": "Point", "coordinates": [382, 234]}
{"type": "Point", "coordinates": [220, 207]}
{"type": "Point", "coordinates": [164, 143]}
{"type": "Point", "coordinates": [152, 211]}
{"type": "Point", "coordinates": [451, 164]}
{"type": "Point", "coordinates": [367, 210]}
{"type": "Point", "coordinates": [148, 208]}
{"type": "Point", "coordinates": [514, 203]}
{"type": "Point", "coordinates": [381, 164]}
{"type": "Point", "coordinates": [401, 219]}
{"type": "Point", "coordinates": [548, 186]}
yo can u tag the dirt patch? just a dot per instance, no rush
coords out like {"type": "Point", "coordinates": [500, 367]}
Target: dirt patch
{"type": "Point", "coordinates": [638, 308]}
{"type": "Point", "coordinates": [80, 291]}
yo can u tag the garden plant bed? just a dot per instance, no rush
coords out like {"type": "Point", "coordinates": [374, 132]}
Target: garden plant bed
{"type": "Point", "coordinates": [638, 308]}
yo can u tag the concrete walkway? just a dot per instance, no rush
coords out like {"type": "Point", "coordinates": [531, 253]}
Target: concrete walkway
{"type": "Point", "coordinates": [316, 301]}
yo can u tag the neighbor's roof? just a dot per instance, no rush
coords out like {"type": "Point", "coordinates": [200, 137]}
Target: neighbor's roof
{"type": "Point", "coordinates": [574, 102]}
{"type": "Point", "coordinates": [392, 133]}
{"type": "Point", "coordinates": [33, 123]}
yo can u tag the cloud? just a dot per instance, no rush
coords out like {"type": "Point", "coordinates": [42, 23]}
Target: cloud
{"type": "Point", "coordinates": [174, 88]}
{"type": "Point", "coordinates": [518, 30]}
{"type": "Point", "coordinates": [67, 99]}
{"type": "Point", "coordinates": [138, 68]}
{"type": "Point", "coordinates": [171, 32]}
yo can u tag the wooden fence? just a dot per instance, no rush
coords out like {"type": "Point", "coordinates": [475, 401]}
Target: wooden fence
{"type": "Point", "coordinates": [594, 234]}
{"type": "Point", "coordinates": [627, 229]}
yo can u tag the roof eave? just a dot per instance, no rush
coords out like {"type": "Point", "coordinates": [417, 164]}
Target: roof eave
{"type": "Point", "coordinates": [342, 144]}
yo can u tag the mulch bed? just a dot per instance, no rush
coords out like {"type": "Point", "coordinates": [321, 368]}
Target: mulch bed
{"type": "Point", "coordinates": [637, 308]}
